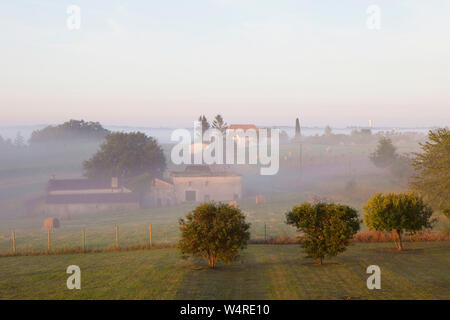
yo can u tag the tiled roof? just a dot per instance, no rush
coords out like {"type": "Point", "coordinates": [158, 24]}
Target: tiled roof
{"type": "Point", "coordinates": [198, 168]}
{"type": "Point", "coordinates": [79, 184]}
{"type": "Point", "coordinates": [244, 127]}
{"type": "Point", "coordinates": [161, 183]}
{"type": "Point", "coordinates": [203, 171]}
{"type": "Point", "coordinates": [92, 198]}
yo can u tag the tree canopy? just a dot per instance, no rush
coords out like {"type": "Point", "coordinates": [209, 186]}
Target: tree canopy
{"type": "Point", "coordinates": [214, 232]}
{"type": "Point", "coordinates": [384, 155]}
{"type": "Point", "coordinates": [204, 122]}
{"type": "Point", "coordinates": [298, 133]}
{"type": "Point", "coordinates": [327, 228]}
{"type": "Point", "coordinates": [19, 141]}
{"type": "Point", "coordinates": [126, 155]}
{"type": "Point", "coordinates": [220, 124]}
{"type": "Point", "coordinates": [398, 212]}
{"type": "Point", "coordinates": [5, 143]}
{"type": "Point", "coordinates": [401, 169]}
{"type": "Point", "coordinates": [70, 130]}
{"type": "Point", "coordinates": [432, 165]}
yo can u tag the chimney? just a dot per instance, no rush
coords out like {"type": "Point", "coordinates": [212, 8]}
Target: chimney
{"type": "Point", "coordinates": [114, 182]}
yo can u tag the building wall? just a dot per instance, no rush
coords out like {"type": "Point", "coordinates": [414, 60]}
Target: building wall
{"type": "Point", "coordinates": [90, 191]}
{"type": "Point", "coordinates": [209, 188]}
{"type": "Point", "coordinates": [74, 208]}
{"type": "Point", "coordinates": [160, 196]}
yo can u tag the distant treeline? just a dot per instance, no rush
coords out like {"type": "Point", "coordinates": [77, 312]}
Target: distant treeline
{"type": "Point", "coordinates": [65, 145]}
{"type": "Point", "coordinates": [6, 144]}
{"type": "Point", "coordinates": [363, 136]}
{"type": "Point", "coordinates": [70, 130]}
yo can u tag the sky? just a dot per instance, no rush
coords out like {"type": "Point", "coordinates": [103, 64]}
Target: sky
{"type": "Point", "coordinates": [163, 63]}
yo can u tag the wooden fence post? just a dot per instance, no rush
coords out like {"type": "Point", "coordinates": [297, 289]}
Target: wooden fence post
{"type": "Point", "coordinates": [14, 241]}
{"type": "Point", "coordinates": [48, 241]}
{"type": "Point", "coordinates": [150, 234]}
{"type": "Point", "coordinates": [265, 232]}
{"type": "Point", "coordinates": [117, 237]}
{"type": "Point", "coordinates": [83, 240]}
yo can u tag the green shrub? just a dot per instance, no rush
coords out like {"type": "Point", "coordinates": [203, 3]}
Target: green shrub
{"type": "Point", "coordinates": [215, 232]}
{"type": "Point", "coordinates": [398, 212]}
{"type": "Point", "coordinates": [327, 228]}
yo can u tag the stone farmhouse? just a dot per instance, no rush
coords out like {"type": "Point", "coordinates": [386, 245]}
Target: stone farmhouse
{"type": "Point", "coordinates": [206, 183]}
{"type": "Point", "coordinates": [197, 183]}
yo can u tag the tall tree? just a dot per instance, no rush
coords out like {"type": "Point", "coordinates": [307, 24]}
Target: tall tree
{"type": "Point", "coordinates": [398, 212]}
{"type": "Point", "coordinates": [298, 132]}
{"type": "Point", "coordinates": [432, 165]}
{"type": "Point", "coordinates": [205, 124]}
{"type": "Point", "coordinates": [328, 131]}
{"type": "Point", "coordinates": [327, 228]}
{"type": "Point", "coordinates": [19, 141]}
{"type": "Point", "coordinates": [384, 155]}
{"type": "Point", "coordinates": [219, 124]}
{"type": "Point", "coordinates": [126, 155]}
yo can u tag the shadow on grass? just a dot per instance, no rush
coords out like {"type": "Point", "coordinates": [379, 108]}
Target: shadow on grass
{"type": "Point", "coordinates": [351, 298]}
{"type": "Point", "coordinates": [196, 267]}
{"type": "Point", "coordinates": [404, 251]}
{"type": "Point", "coordinates": [323, 265]}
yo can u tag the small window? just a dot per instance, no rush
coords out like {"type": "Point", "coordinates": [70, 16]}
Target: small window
{"type": "Point", "coordinates": [206, 183]}
{"type": "Point", "coordinates": [207, 198]}
{"type": "Point", "coordinates": [235, 196]}
{"type": "Point", "coordinates": [190, 183]}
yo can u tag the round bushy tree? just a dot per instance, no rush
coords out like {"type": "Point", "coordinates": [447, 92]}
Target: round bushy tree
{"type": "Point", "coordinates": [215, 232]}
{"type": "Point", "coordinates": [327, 228]}
{"type": "Point", "coordinates": [398, 212]}
{"type": "Point", "coordinates": [126, 155]}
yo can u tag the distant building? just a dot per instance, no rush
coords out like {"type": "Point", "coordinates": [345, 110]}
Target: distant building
{"type": "Point", "coordinates": [197, 183]}
{"type": "Point", "coordinates": [87, 195]}
{"type": "Point", "coordinates": [206, 183]}
{"type": "Point", "coordinates": [243, 127]}
{"type": "Point", "coordinates": [250, 131]}
{"type": "Point", "coordinates": [161, 194]}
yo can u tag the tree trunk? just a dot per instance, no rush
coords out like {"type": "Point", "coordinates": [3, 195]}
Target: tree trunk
{"type": "Point", "coordinates": [211, 262]}
{"type": "Point", "coordinates": [399, 244]}
{"type": "Point", "coordinates": [319, 261]}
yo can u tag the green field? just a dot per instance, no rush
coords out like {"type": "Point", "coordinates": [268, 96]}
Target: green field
{"type": "Point", "coordinates": [265, 272]}
{"type": "Point", "coordinates": [133, 226]}
{"type": "Point", "coordinates": [266, 220]}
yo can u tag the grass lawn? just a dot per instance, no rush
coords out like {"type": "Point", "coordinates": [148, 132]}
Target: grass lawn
{"type": "Point", "coordinates": [133, 225]}
{"type": "Point", "coordinates": [267, 272]}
